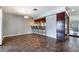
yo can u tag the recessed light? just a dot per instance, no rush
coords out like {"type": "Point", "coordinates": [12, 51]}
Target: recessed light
{"type": "Point", "coordinates": [26, 17]}
{"type": "Point", "coordinates": [72, 10]}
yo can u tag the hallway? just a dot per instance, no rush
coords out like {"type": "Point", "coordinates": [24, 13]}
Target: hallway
{"type": "Point", "coordinates": [38, 43]}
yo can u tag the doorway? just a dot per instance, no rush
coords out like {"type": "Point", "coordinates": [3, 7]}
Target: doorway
{"type": "Point", "coordinates": [73, 22]}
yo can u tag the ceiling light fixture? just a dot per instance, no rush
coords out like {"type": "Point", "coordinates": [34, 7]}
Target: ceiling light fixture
{"type": "Point", "coordinates": [26, 17]}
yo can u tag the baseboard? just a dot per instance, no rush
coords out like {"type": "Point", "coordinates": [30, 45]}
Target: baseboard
{"type": "Point", "coordinates": [24, 34]}
{"type": "Point", "coordinates": [46, 35]}
{"type": "Point", "coordinates": [15, 34]}
{"type": "Point", "coordinates": [51, 37]}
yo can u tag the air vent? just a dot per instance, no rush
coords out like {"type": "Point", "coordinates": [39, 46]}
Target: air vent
{"type": "Point", "coordinates": [35, 9]}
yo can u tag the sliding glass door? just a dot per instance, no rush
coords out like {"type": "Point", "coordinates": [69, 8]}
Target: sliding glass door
{"type": "Point", "coordinates": [74, 27]}
{"type": "Point", "coordinates": [73, 12]}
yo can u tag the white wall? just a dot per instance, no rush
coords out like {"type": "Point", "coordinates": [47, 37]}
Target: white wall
{"type": "Point", "coordinates": [51, 26]}
{"type": "Point", "coordinates": [0, 26]}
{"type": "Point", "coordinates": [15, 25]}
